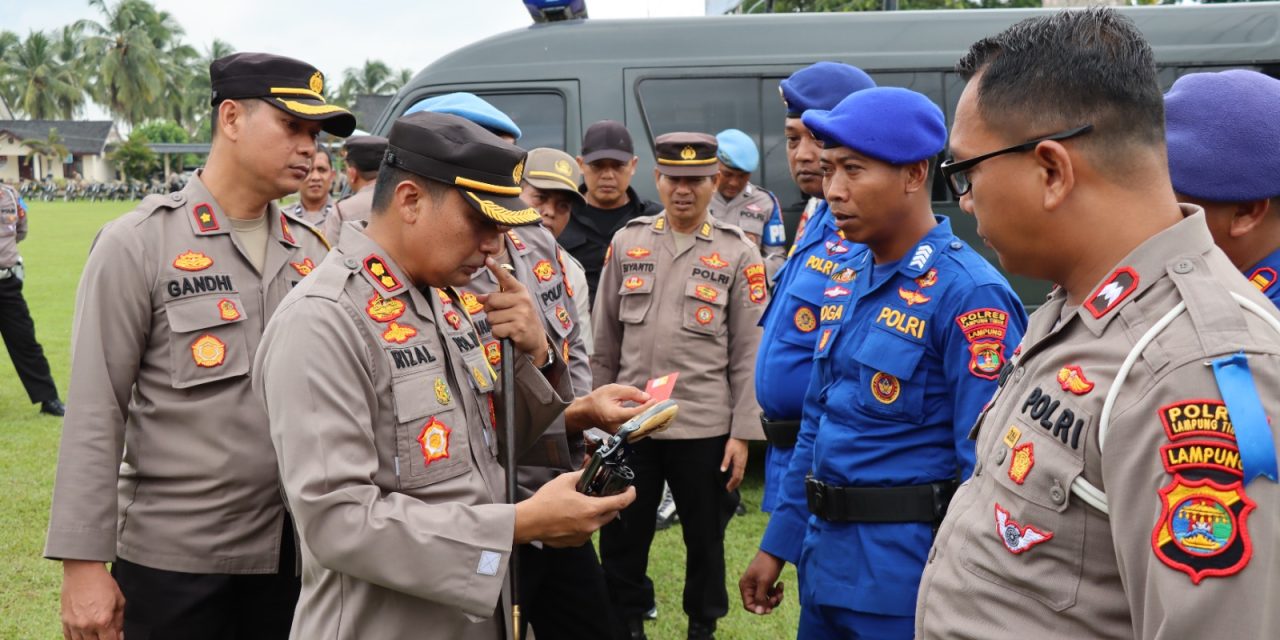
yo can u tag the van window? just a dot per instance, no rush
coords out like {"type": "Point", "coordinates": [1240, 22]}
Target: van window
{"type": "Point", "coordinates": [540, 116]}
{"type": "Point", "coordinates": [708, 105]}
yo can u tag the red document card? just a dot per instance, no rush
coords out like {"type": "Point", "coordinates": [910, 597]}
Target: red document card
{"type": "Point", "coordinates": [660, 388]}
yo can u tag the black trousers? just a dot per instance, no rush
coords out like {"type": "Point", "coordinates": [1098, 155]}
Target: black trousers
{"type": "Point", "coordinates": [563, 594]}
{"type": "Point", "coordinates": [692, 469]}
{"type": "Point", "coordinates": [19, 334]}
{"type": "Point", "coordinates": [164, 605]}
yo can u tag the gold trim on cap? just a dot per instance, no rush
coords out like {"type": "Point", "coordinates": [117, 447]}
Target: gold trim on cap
{"type": "Point", "coordinates": [553, 176]}
{"type": "Point", "coordinates": [311, 109]}
{"type": "Point", "coordinates": [687, 162]}
{"type": "Point", "coordinates": [486, 187]}
{"type": "Point", "coordinates": [293, 91]}
{"type": "Point", "coordinates": [503, 215]}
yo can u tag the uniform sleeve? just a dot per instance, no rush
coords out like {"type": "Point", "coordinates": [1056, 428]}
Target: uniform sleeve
{"type": "Point", "coordinates": [746, 305]}
{"type": "Point", "coordinates": [972, 357]}
{"type": "Point", "coordinates": [581, 299]}
{"type": "Point", "coordinates": [773, 243]}
{"type": "Point", "coordinates": [1158, 487]}
{"type": "Point", "coordinates": [332, 227]}
{"type": "Point", "coordinates": [108, 338]}
{"type": "Point", "coordinates": [606, 327]}
{"type": "Point", "coordinates": [323, 431]}
{"type": "Point", "coordinates": [784, 535]}
{"type": "Point", "coordinates": [22, 219]}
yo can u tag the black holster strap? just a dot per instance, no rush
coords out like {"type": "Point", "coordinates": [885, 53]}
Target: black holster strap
{"type": "Point", "coordinates": [918, 503]}
{"type": "Point", "coordinates": [780, 433]}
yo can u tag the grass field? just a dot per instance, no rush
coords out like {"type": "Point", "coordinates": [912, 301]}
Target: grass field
{"type": "Point", "coordinates": [60, 234]}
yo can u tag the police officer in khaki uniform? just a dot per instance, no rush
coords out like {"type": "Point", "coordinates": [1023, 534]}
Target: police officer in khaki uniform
{"type": "Point", "coordinates": [16, 327]}
{"type": "Point", "coordinates": [387, 444]}
{"type": "Point", "coordinates": [165, 467]}
{"type": "Point", "coordinates": [315, 205]}
{"type": "Point", "coordinates": [682, 292]}
{"type": "Point", "coordinates": [364, 155]}
{"type": "Point", "coordinates": [744, 204]}
{"type": "Point", "coordinates": [551, 180]}
{"type": "Point", "coordinates": [1125, 476]}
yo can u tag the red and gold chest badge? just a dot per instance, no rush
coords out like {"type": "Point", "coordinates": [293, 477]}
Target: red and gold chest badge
{"type": "Point", "coordinates": [227, 310]}
{"type": "Point", "coordinates": [705, 293]}
{"type": "Point", "coordinates": [564, 350]}
{"type": "Point", "coordinates": [192, 261]}
{"type": "Point", "coordinates": [434, 438]}
{"type": "Point", "coordinates": [453, 319]}
{"type": "Point", "coordinates": [205, 219]}
{"type": "Point", "coordinates": [384, 309]}
{"type": "Point", "coordinates": [1020, 463]}
{"type": "Point", "coordinates": [704, 315]}
{"type": "Point", "coordinates": [988, 358]}
{"type": "Point", "coordinates": [543, 271]}
{"type": "Point", "coordinates": [442, 391]}
{"type": "Point", "coordinates": [303, 268]}
{"type": "Point", "coordinates": [208, 351]}
{"type": "Point", "coordinates": [562, 315]}
{"type": "Point", "coordinates": [1263, 278]}
{"type": "Point", "coordinates": [756, 289]}
{"type": "Point", "coordinates": [471, 303]}
{"type": "Point", "coordinates": [714, 260]}
{"type": "Point", "coordinates": [493, 352]}
{"type": "Point", "coordinates": [844, 276]}
{"type": "Point", "coordinates": [284, 230]}
{"type": "Point", "coordinates": [1072, 379]}
{"type": "Point", "coordinates": [444, 298]}
{"type": "Point", "coordinates": [824, 340]}
{"type": "Point", "coordinates": [885, 387]}
{"type": "Point", "coordinates": [638, 252]}
{"type": "Point", "coordinates": [804, 319]}
{"type": "Point", "coordinates": [917, 296]}
{"type": "Point", "coordinates": [634, 282]}
{"type": "Point", "coordinates": [398, 333]}
{"type": "Point", "coordinates": [381, 274]}
{"type": "Point", "coordinates": [568, 287]}
{"type": "Point", "coordinates": [1202, 528]}
{"type": "Point", "coordinates": [1017, 538]}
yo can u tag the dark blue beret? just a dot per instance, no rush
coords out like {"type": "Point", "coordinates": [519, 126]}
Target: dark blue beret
{"type": "Point", "coordinates": [1224, 135]}
{"type": "Point", "coordinates": [821, 86]}
{"type": "Point", "coordinates": [895, 125]}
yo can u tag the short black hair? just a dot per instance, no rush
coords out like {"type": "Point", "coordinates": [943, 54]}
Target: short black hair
{"type": "Point", "coordinates": [1068, 69]}
{"type": "Point", "coordinates": [388, 177]}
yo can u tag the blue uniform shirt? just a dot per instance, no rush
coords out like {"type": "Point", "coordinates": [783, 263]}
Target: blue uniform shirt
{"type": "Point", "coordinates": [906, 357]}
{"type": "Point", "coordinates": [790, 325]}
{"type": "Point", "coordinates": [1262, 275]}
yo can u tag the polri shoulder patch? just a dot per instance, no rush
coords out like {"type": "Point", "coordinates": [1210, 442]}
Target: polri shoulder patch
{"type": "Point", "coordinates": [1112, 291]}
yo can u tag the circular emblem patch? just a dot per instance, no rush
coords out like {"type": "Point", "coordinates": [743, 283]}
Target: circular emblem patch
{"type": "Point", "coordinates": [434, 440]}
{"type": "Point", "coordinates": [805, 321]}
{"type": "Point", "coordinates": [208, 351]}
{"type": "Point", "coordinates": [704, 315]}
{"type": "Point", "coordinates": [1202, 526]}
{"type": "Point", "coordinates": [885, 387]}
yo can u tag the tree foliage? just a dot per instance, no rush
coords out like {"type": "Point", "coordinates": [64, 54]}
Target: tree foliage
{"type": "Point", "coordinates": [134, 159]}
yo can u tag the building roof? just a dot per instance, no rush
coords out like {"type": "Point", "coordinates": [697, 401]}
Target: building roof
{"type": "Point", "coordinates": [80, 136]}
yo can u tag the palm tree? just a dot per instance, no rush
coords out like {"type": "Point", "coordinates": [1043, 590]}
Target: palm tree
{"type": "Point", "coordinates": [373, 77]}
{"type": "Point", "coordinates": [69, 44]}
{"type": "Point", "coordinates": [8, 90]}
{"type": "Point", "coordinates": [128, 49]}
{"type": "Point", "coordinates": [47, 89]}
{"type": "Point", "coordinates": [50, 148]}
{"type": "Point", "coordinates": [199, 91]}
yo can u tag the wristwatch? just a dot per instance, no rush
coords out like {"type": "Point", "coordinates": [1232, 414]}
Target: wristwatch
{"type": "Point", "coordinates": [551, 357]}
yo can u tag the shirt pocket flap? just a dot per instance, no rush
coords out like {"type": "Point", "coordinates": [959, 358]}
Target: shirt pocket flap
{"type": "Point", "coordinates": [892, 354]}
{"type": "Point", "coordinates": [421, 394]}
{"type": "Point", "coordinates": [193, 314]}
{"type": "Point", "coordinates": [708, 293]}
{"type": "Point", "coordinates": [559, 319]}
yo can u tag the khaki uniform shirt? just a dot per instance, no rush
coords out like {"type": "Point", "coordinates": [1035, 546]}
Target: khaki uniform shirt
{"type": "Point", "coordinates": [1189, 551]}
{"type": "Point", "coordinates": [13, 226]}
{"type": "Point", "coordinates": [316, 219]}
{"type": "Point", "coordinates": [382, 415]}
{"type": "Point", "coordinates": [575, 279]}
{"type": "Point", "coordinates": [750, 211]}
{"type": "Point", "coordinates": [535, 257]}
{"type": "Point", "coordinates": [695, 312]}
{"type": "Point", "coordinates": [166, 459]}
{"type": "Point", "coordinates": [356, 207]}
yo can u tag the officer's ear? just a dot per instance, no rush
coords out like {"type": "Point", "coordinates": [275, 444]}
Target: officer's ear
{"type": "Point", "coordinates": [657, 179]}
{"type": "Point", "coordinates": [412, 202]}
{"type": "Point", "coordinates": [231, 116]}
{"type": "Point", "coordinates": [1057, 173]}
{"type": "Point", "coordinates": [915, 176]}
{"type": "Point", "coordinates": [631, 166]}
{"type": "Point", "coordinates": [1248, 215]}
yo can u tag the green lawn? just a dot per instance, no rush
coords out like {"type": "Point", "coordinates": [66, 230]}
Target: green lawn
{"type": "Point", "coordinates": [55, 251]}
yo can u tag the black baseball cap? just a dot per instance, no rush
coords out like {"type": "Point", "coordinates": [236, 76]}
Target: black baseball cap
{"type": "Point", "coordinates": [453, 150]}
{"type": "Point", "coordinates": [607, 139]}
{"type": "Point", "coordinates": [290, 85]}
{"type": "Point", "coordinates": [365, 152]}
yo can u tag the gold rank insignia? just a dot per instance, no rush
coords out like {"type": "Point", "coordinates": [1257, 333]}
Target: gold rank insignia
{"type": "Point", "coordinates": [434, 439]}
{"type": "Point", "coordinates": [544, 271]}
{"type": "Point", "coordinates": [518, 172]}
{"type": "Point", "coordinates": [660, 224]}
{"type": "Point", "coordinates": [1012, 436]}
{"type": "Point", "coordinates": [706, 230]}
{"type": "Point", "coordinates": [303, 268]}
{"type": "Point", "coordinates": [442, 391]}
{"type": "Point", "coordinates": [227, 310]}
{"type": "Point", "coordinates": [1263, 278]}
{"type": "Point", "coordinates": [687, 153]}
{"type": "Point", "coordinates": [284, 230]}
{"type": "Point", "coordinates": [714, 260]}
{"type": "Point", "coordinates": [316, 82]}
{"type": "Point", "coordinates": [384, 309]}
{"type": "Point", "coordinates": [515, 240]}
{"type": "Point", "coordinates": [398, 333]}
{"type": "Point", "coordinates": [481, 382]}
{"type": "Point", "coordinates": [471, 303]}
{"type": "Point", "coordinates": [208, 351]}
{"type": "Point", "coordinates": [375, 267]}
{"type": "Point", "coordinates": [192, 261]}
{"type": "Point", "coordinates": [205, 219]}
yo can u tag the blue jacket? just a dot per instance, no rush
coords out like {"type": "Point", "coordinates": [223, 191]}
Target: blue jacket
{"type": "Point", "coordinates": [1262, 275]}
{"type": "Point", "coordinates": [906, 357]}
{"type": "Point", "coordinates": [790, 326]}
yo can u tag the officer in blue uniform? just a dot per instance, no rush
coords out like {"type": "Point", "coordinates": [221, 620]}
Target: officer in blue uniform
{"type": "Point", "coordinates": [1224, 155]}
{"type": "Point", "coordinates": [911, 337]}
{"type": "Point", "coordinates": [791, 320]}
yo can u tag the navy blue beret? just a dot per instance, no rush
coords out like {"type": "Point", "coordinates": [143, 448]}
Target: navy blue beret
{"type": "Point", "coordinates": [1224, 135]}
{"type": "Point", "coordinates": [737, 150]}
{"type": "Point", "coordinates": [821, 86]}
{"type": "Point", "coordinates": [473, 108]}
{"type": "Point", "coordinates": [895, 125]}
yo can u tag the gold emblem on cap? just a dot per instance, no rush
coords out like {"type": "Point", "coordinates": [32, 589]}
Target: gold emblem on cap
{"type": "Point", "coordinates": [563, 168]}
{"type": "Point", "coordinates": [687, 153]}
{"type": "Point", "coordinates": [518, 172]}
{"type": "Point", "coordinates": [317, 82]}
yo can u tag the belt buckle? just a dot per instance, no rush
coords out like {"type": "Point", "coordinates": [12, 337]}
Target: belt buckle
{"type": "Point", "coordinates": [815, 495]}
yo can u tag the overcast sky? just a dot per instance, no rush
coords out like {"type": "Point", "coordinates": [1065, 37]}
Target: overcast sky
{"type": "Point", "coordinates": [337, 34]}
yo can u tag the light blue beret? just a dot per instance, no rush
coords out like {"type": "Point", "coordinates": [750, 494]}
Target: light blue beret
{"type": "Point", "coordinates": [469, 106]}
{"type": "Point", "coordinates": [737, 150]}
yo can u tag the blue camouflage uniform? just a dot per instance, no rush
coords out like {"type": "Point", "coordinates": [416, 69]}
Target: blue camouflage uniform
{"type": "Point", "coordinates": [907, 355]}
{"type": "Point", "coordinates": [790, 322]}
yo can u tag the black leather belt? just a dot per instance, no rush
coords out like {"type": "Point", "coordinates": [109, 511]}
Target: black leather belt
{"type": "Point", "coordinates": [918, 503]}
{"type": "Point", "coordinates": [780, 433]}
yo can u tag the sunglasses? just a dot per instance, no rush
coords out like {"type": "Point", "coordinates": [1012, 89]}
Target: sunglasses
{"type": "Point", "coordinates": [957, 173]}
